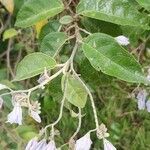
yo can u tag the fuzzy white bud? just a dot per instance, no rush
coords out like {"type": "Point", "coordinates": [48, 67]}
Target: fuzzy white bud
{"type": "Point", "coordinates": [122, 40]}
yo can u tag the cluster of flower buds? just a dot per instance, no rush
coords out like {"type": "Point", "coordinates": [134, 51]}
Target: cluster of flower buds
{"type": "Point", "coordinates": [142, 101]}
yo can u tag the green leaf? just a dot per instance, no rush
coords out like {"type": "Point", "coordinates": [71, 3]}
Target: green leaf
{"type": "Point", "coordinates": [94, 26]}
{"type": "Point", "coordinates": [52, 42]}
{"type": "Point", "coordinates": [26, 132]}
{"type": "Point", "coordinates": [116, 11]}
{"type": "Point", "coordinates": [51, 26]}
{"type": "Point", "coordinates": [33, 64]}
{"type": "Point", "coordinates": [66, 19]}
{"type": "Point", "coordinates": [9, 33]}
{"type": "Point", "coordinates": [34, 11]}
{"type": "Point", "coordinates": [144, 3]}
{"type": "Point", "coordinates": [134, 34]}
{"type": "Point", "coordinates": [93, 77]}
{"type": "Point", "coordinates": [75, 92]}
{"type": "Point", "coordinates": [105, 54]}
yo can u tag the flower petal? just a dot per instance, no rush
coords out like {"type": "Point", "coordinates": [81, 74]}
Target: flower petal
{"type": "Point", "coordinates": [51, 146]}
{"type": "Point", "coordinates": [41, 145]}
{"type": "Point", "coordinates": [16, 115]}
{"type": "Point", "coordinates": [84, 143]}
{"type": "Point", "coordinates": [108, 145]}
{"type": "Point", "coordinates": [31, 144]}
{"type": "Point", "coordinates": [35, 116]}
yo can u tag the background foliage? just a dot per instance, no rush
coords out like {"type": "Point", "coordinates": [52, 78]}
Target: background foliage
{"type": "Point", "coordinates": [43, 26]}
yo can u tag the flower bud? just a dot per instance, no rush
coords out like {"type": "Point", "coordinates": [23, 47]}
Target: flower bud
{"type": "Point", "coordinates": [122, 40]}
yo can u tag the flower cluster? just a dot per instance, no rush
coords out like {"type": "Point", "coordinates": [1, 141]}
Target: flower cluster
{"type": "Point", "coordinates": [83, 143]}
{"type": "Point", "coordinates": [34, 144]}
{"type": "Point", "coordinates": [20, 100]}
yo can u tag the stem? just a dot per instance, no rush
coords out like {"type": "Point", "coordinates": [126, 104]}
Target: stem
{"type": "Point", "coordinates": [91, 98]}
{"type": "Point", "coordinates": [8, 57]}
{"type": "Point", "coordinates": [85, 31]}
{"type": "Point", "coordinates": [38, 86]}
{"type": "Point", "coordinates": [88, 91]}
{"type": "Point", "coordinates": [79, 125]}
{"type": "Point", "coordinates": [61, 111]}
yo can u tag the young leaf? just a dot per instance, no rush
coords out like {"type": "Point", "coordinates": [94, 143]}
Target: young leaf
{"type": "Point", "coordinates": [115, 11]}
{"type": "Point", "coordinates": [51, 26]}
{"type": "Point", "coordinates": [66, 19]}
{"type": "Point", "coordinates": [144, 3]}
{"type": "Point", "coordinates": [39, 25]}
{"type": "Point", "coordinates": [33, 64]}
{"type": "Point", "coordinates": [52, 42]}
{"type": "Point", "coordinates": [9, 5]}
{"type": "Point", "coordinates": [9, 33]}
{"type": "Point", "coordinates": [34, 11]}
{"type": "Point", "coordinates": [75, 92]}
{"type": "Point", "coordinates": [105, 54]}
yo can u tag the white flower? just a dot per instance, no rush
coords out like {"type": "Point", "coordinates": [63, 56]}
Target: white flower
{"type": "Point", "coordinates": [141, 97]}
{"type": "Point", "coordinates": [51, 146]}
{"type": "Point", "coordinates": [41, 145]}
{"type": "Point", "coordinates": [108, 145]}
{"type": "Point", "coordinates": [148, 105]}
{"type": "Point", "coordinates": [16, 115]}
{"type": "Point", "coordinates": [1, 102]}
{"type": "Point", "coordinates": [35, 116]}
{"type": "Point", "coordinates": [84, 143]}
{"type": "Point", "coordinates": [31, 144]}
{"type": "Point", "coordinates": [122, 40]}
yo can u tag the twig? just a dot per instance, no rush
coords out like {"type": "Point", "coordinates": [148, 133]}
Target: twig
{"type": "Point", "coordinates": [6, 24]}
{"type": "Point", "coordinates": [79, 125]}
{"type": "Point", "coordinates": [38, 86]}
{"type": "Point", "coordinates": [91, 98]}
{"type": "Point", "coordinates": [8, 57]}
{"type": "Point", "coordinates": [85, 31]}
{"type": "Point", "coordinates": [61, 112]}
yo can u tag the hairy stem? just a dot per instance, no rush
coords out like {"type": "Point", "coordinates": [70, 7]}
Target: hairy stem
{"type": "Point", "coordinates": [79, 124]}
